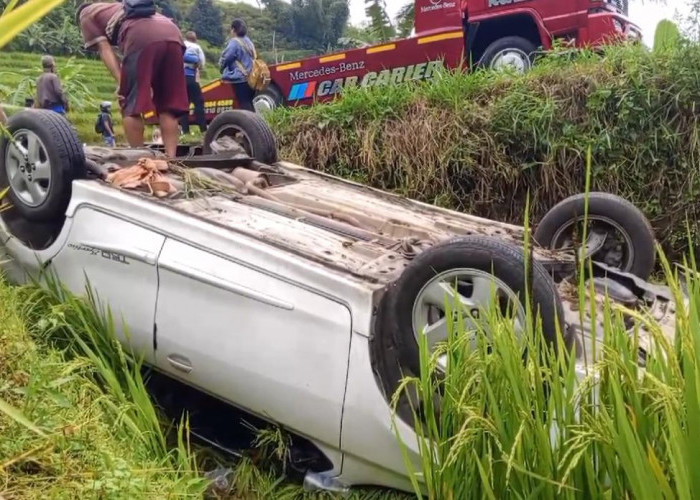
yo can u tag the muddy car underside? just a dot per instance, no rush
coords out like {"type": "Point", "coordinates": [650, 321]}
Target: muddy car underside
{"type": "Point", "coordinates": [287, 248]}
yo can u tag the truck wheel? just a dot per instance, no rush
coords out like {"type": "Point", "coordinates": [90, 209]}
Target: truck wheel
{"type": "Point", "coordinates": [248, 129]}
{"type": "Point", "coordinates": [512, 52]}
{"type": "Point", "coordinates": [479, 267]}
{"type": "Point", "coordinates": [39, 163]}
{"type": "Point", "coordinates": [268, 99]}
{"type": "Point", "coordinates": [618, 232]}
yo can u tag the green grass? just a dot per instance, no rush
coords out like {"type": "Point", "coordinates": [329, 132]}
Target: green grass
{"type": "Point", "coordinates": [18, 67]}
{"type": "Point", "coordinates": [535, 429]}
{"type": "Point", "coordinates": [68, 429]}
{"type": "Point", "coordinates": [77, 422]}
{"type": "Point", "coordinates": [480, 142]}
{"type": "Point", "coordinates": [520, 418]}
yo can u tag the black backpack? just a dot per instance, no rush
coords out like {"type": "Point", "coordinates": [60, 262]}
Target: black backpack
{"type": "Point", "coordinates": [134, 9]}
{"type": "Point", "coordinates": [99, 125]}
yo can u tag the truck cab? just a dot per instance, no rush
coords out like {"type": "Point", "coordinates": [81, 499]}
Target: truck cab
{"type": "Point", "coordinates": [452, 34]}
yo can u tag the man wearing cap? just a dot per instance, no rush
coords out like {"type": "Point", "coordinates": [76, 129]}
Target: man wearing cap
{"type": "Point", "coordinates": [150, 76]}
{"type": "Point", "coordinates": [49, 91]}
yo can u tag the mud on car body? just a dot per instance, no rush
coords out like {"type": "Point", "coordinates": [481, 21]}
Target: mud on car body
{"type": "Point", "coordinates": [294, 295]}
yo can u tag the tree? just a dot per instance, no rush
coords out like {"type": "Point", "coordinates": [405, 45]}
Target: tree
{"type": "Point", "coordinates": [206, 20]}
{"type": "Point", "coordinates": [406, 19]}
{"type": "Point", "coordinates": [379, 20]}
{"type": "Point", "coordinates": [168, 9]}
{"type": "Point", "coordinates": [692, 22]}
{"type": "Point", "coordinates": [318, 24]}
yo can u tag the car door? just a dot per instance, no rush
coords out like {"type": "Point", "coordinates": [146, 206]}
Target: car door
{"type": "Point", "coordinates": [118, 259]}
{"type": "Point", "coordinates": [250, 337]}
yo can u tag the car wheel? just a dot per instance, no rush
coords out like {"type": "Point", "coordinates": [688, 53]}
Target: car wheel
{"type": "Point", "coordinates": [268, 99]}
{"type": "Point", "coordinates": [248, 129]}
{"type": "Point", "coordinates": [512, 52]}
{"type": "Point", "coordinates": [479, 267]}
{"type": "Point", "coordinates": [618, 233]}
{"type": "Point", "coordinates": [40, 158]}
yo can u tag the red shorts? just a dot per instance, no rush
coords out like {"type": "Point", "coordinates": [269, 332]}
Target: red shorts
{"type": "Point", "coordinates": [153, 79]}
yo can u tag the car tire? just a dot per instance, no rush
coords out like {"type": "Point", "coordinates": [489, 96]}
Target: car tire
{"type": "Point", "coordinates": [518, 52]}
{"type": "Point", "coordinates": [248, 127]}
{"type": "Point", "coordinates": [486, 257]}
{"type": "Point", "coordinates": [36, 193]}
{"type": "Point", "coordinates": [615, 216]}
{"type": "Point", "coordinates": [269, 99]}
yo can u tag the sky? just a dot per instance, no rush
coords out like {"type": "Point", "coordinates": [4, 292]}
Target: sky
{"type": "Point", "coordinates": [645, 13]}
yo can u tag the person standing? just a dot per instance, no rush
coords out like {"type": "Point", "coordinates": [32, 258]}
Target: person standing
{"type": "Point", "coordinates": [236, 64]}
{"type": "Point", "coordinates": [104, 124]}
{"type": "Point", "coordinates": [150, 76]}
{"type": "Point", "coordinates": [49, 91]}
{"type": "Point", "coordinates": [195, 61]}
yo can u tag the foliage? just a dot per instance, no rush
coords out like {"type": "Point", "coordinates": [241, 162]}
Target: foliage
{"type": "Point", "coordinates": [76, 422]}
{"type": "Point", "coordinates": [72, 79]}
{"type": "Point", "coordinates": [90, 73]}
{"type": "Point", "coordinates": [479, 141]}
{"type": "Point", "coordinates": [317, 25]}
{"type": "Point", "coordinates": [14, 20]}
{"type": "Point", "coordinates": [610, 423]}
{"type": "Point", "coordinates": [667, 36]}
{"type": "Point", "coordinates": [380, 24]}
{"type": "Point", "coordinates": [691, 22]}
{"type": "Point", "coordinates": [206, 19]}
{"type": "Point", "coordinates": [405, 19]}
{"type": "Point", "coordinates": [168, 9]}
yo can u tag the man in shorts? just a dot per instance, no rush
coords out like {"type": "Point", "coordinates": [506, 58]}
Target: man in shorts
{"type": "Point", "coordinates": [150, 75]}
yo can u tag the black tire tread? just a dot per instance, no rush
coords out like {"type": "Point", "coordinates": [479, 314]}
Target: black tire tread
{"type": "Point", "coordinates": [262, 137]}
{"type": "Point", "coordinates": [276, 94]}
{"type": "Point", "coordinates": [68, 161]}
{"type": "Point", "coordinates": [613, 207]}
{"type": "Point", "coordinates": [508, 41]}
{"type": "Point", "coordinates": [505, 256]}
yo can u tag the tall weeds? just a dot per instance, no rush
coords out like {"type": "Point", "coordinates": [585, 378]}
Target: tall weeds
{"type": "Point", "coordinates": [480, 142]}
{"type": "Point", "coordinates": [623, 425]}
{"type": "Point", "coordinates": [84, 329]}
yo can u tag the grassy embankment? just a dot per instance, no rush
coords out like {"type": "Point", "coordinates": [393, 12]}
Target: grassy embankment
{"type": "Point", "coordinates": [480, 142]}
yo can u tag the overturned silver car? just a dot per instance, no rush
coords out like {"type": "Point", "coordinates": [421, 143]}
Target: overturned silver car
{"type": "Point", "coordinates": [291, 294]}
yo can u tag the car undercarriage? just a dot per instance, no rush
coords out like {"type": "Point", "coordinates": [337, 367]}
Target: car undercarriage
{"type": "Point", "coordinates": [228, 264]}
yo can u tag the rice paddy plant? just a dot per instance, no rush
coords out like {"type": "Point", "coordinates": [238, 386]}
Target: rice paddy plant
{"type": "Point", "coordinates": [84, 329]}
{"type": "Point", "coordinates": [520, 418]}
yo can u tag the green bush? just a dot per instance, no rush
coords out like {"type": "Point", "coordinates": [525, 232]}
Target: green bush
{"type": "Point", "coordinates": [479, 142]}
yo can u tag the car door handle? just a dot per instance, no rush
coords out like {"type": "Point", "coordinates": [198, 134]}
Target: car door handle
{"type": "Point", "coordinates": [180, 363]}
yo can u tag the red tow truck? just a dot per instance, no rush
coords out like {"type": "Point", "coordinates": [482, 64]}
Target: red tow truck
{"type": "Point", "coordinates": [448, 33]}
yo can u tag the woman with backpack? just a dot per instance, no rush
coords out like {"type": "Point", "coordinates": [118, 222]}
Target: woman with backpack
{"type": "Point", "coordinates": [236, 63]}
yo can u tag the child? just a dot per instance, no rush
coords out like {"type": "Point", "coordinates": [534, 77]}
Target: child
{"type": "Point", "coordinates": [104, 124]}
